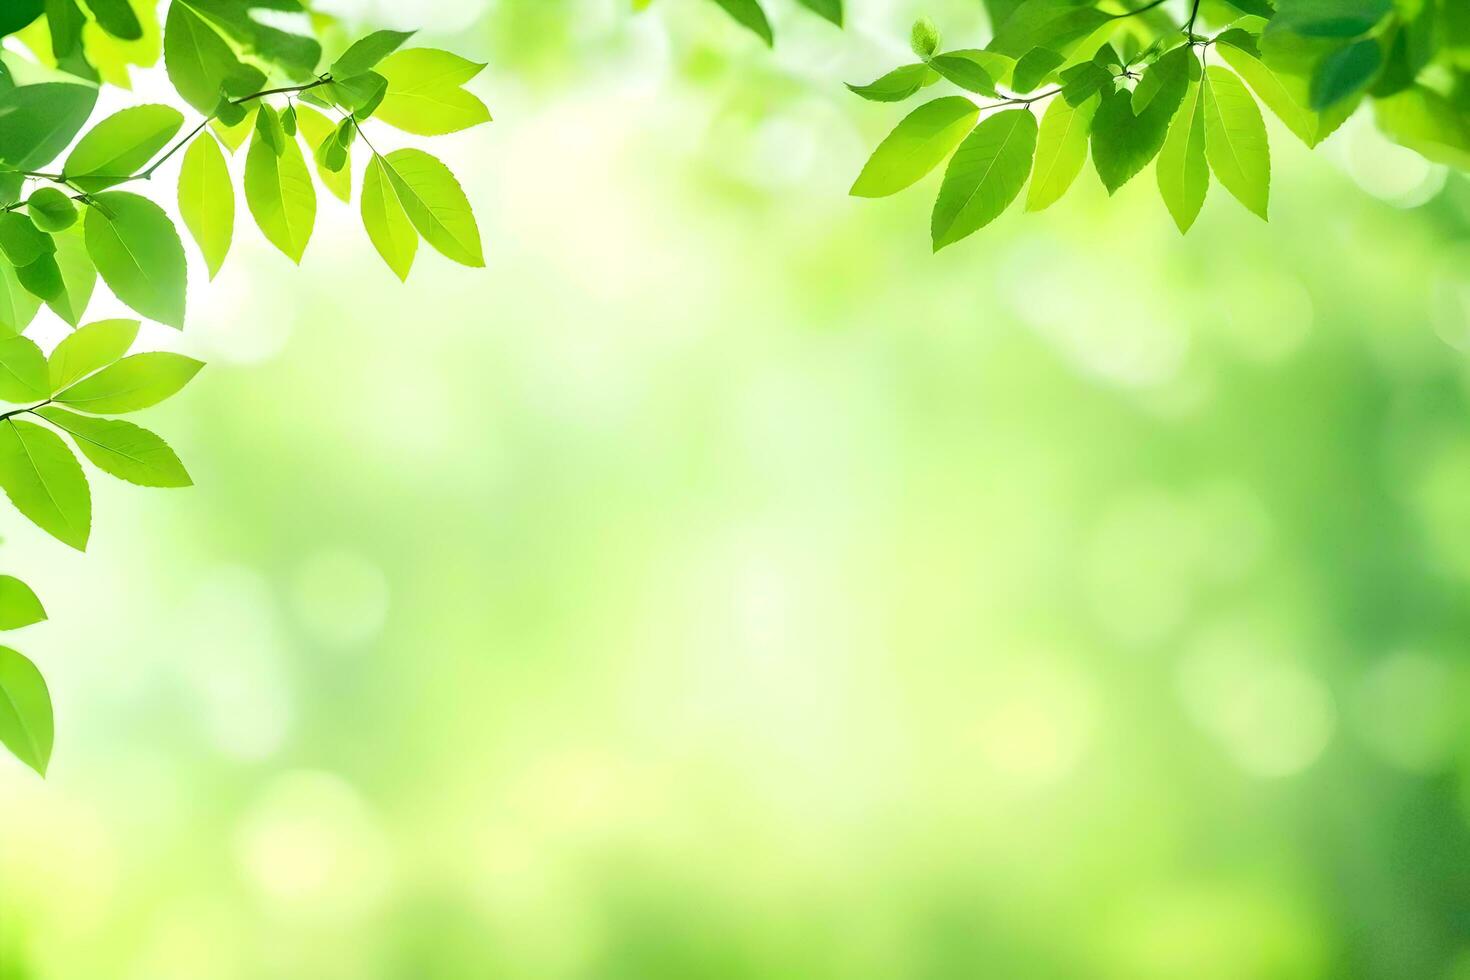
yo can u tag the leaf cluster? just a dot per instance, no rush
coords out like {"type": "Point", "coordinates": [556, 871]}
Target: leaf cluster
{"type": "Point", "coordinates": [1129, 86]}
{"type": "Point", "coordinates": [71, 214]}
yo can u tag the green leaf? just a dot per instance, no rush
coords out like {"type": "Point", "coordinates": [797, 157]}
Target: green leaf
{"type": "Point", "coordinates": [50, 209]}
{"type": "Point", "coordinates": [127, 451]}
{"type": "Point", "coordinates": [38, 121]}
{"type": "Point", "coordinates": [135, 382]}
{"type": "Point", "coordinates": [1060, 25]}
{"type": "Point", "coordinates": [78, 277]}
{"type": "Point", "coordinates": [965, 71]}
{"type": "Point", "coordinates": [1329, 18]}
{"type": "Point", "coordinates": [89, 349]}
{"type": "Point", "coordinates": [387, 223]}
{"type": "Point", "coordinates": [1285, 95]}
{"type": "Point", "coordinates": [1035, 67]}
{"type": "Point", "coordinates": [365, 53]}
{"type": "Point", "coordinates": [45, 482]}
{"type": "Point", "coordinates": [916, 146]}
{"type": "Point", "coordinates": [18, 305]}
{"type": "Point", "coordinates": [138, 253]}
{"type": "Point", "coordinates": [1122, 143]}
{"type": "Point", "coordinates": [296, 54]}
{"type": "Point", "coordinates": [201, 64]}
{"type": "Point", "coordinates": [1182, 170]}
{"type": "Point", "coordinates": [830, 10]}
{"type": "Point", "coordinates": [117, 18]}
{"type": "Point", "coordinates": [23, 376]}
{"type": "Point", "coordinates": [26, 725]}
{"type": "Point", "coordinates": [984, 176]}
{"type": "Point", "coordinates": [361, 94]}
{"type": "Point", "coordinates": [1345, 73]}
{"type": "Point", "coordinates": [1427, 123]}
{"type": "Point", "coordinates": [234, 136]}
{"type": "Point", "coordinates": [895, 86]}
{"type": "Point", "coordinates": [1235, 139]}
{"type": "Point", "coordinates": [207, 200]}
{"type": "Point", "coordinates": [1168, 76]}
{"type": "Point", "coordinates": [16, 14]}
{"type": "Point", "coordinates": [1082, 82]}
{"type": "Point", "coordinates": [281, 196]}
{"type": "Point", "coordinates": [268, 129]}
{"type": "Point", "coordinates": [21, 241]}
{"type": "Point", "coordinates": [424, 95]}
{"type": "Point", "coordinates": [748, 14]}
{"type": "Point", "coordinates": [435, 204]}
{"type": "Point", "coordinates": [121, 145]}
{"type": "Point", "coordinates": [321, 137]}
{"type": "Point", "coordinates": [43, 278]}
{"type": "Point", "coordinates": [924, 37]}
{"type": "Point", "coordinates": [19, 606]}
{"type": "Point", "coordinates": [1061, 151]}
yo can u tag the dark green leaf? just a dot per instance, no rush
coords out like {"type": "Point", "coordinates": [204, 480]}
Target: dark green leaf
{"type": "Point", "coordinates": [1345, 73]}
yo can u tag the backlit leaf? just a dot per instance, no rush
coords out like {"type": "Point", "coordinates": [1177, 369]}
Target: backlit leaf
{"type": "Point", "coordinates": [916, 146]}
{"type": "Point", "coordinates": [126, 451]}
{"type": "Point", "coordinates": [45, 482]}
{"type": "Point", "coordinates": [984, 175]}
{"type": "Point", "coordinates": [135, 382]}
{"type": "Point", "coordinates": [26, 724]}
{"type": "Point", "coordinates": [138, 253]}
{"type": "Point", "coordinates": [207, 200]}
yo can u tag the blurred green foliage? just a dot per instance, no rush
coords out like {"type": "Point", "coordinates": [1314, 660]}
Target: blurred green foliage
{"type": "Point", "coordinates": [719, 585]}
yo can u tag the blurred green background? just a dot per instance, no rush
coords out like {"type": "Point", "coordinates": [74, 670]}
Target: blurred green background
{"type": "Point", "coordinates": [722, 586]}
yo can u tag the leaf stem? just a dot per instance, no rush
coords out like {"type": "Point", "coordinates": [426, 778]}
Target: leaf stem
{"type": "Point", "coordinates": [22, 411]}
{"type": "Point", "coordinates": [283, 90]}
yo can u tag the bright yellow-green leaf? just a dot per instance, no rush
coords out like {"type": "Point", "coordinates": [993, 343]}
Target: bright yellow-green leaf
{"type": "Point", "coordinates": [1061, 151]}
{"type": "Point", "coordinates": [318, 129]}
{"type": "Point", "coordinates": [121, 145]}
{"type": "Point", "coordinates": [19, 606]}
{"type": "Point", "coordinates": [135, 382]}
{"type": "Point", "coordinates": [425, 96]}
{"type": "Point", "coordinates": [435, 204]}
{"type": "Point", "coordinates": [984, 176]}
{"type": "Point", "coordinates": [387, 224]}
{"type": "Point", "coordinates": [1235, 139]}
{"type": "Point", "coordinates": [26, 725]}
{"type": "Point", "coordinates": [1182, 170]}
{"type": "Point", "coordinates": [17, 305]}
{"type": "Point", "coordinates": [233, 137]}
{"type": "Point", "coordinates": [90, 348]}
{"type": "Point", "coordinates": [45, 482]}
{"type": "Point", "coordinates": [127, 451]}
{"type": "Point", "coordinates": [207, 200]}
{"type": "Point", "coordinates": [281, 195]}
{"type": "Point", "coordinates": [916, 146]}
{"type": "Point", "coordinates": [78, 277]}
{"type": "Point", "coordinates": [23, 375]}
